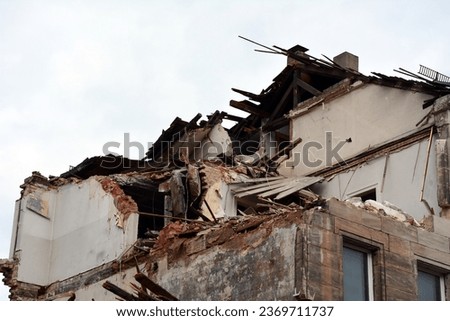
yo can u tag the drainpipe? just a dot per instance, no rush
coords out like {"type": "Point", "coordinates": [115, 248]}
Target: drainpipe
{"type": "Point", "coordinates": [442, 122]}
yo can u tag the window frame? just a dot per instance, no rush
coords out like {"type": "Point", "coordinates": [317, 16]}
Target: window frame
{"type": "Point", "coordinates": [369, 251]}
{"type": "Point", "coordinates": [369, 189]}
{"type": "Point", "coordinates": [432, 268]}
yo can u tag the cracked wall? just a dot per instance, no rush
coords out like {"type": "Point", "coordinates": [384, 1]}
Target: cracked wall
{"type": "Point", "coordinates": [84, 228]}
{"type": "Point", "coordinates": [252, 259]}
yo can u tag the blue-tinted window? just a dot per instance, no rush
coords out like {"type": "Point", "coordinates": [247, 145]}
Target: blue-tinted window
{"type": "Point", "coordinates": [429, 286]}
{"type": "Point", "coordinates": [356, 275]}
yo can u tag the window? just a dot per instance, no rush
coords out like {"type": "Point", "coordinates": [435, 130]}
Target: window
{"type": "Point", "coordinates": [430, 285]}
{"type": "Point", "coordinates": [368, 195]}
{"type": "Point", "coordinates": [150, 202]}
{"type": "Point", "coordinates": [358, 274]}
{"type": "Point", "coordinates": [368, 192]}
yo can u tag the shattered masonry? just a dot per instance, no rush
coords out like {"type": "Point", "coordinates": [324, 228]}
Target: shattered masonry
{"type": "Point", "coordinates": [327, 158]}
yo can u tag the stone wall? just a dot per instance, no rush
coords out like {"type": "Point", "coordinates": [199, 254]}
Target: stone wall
{"type": "Point", "coordinates": [300, 253]}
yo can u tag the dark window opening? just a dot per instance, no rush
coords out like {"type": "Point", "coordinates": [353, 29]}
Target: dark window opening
{"type": "Point", "coordinates": [148, 202]}
{"type": "Point", "coordinates": [247, 205]}
{"type": "Point", "coordinates": [368, 195]}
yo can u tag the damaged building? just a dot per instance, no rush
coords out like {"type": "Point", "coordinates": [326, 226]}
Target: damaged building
{"type": "Point", "coordinates": [334, 187]}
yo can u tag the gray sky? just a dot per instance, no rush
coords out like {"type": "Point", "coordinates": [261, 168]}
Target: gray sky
{"type": "Point", "coordinates": [77, 74]}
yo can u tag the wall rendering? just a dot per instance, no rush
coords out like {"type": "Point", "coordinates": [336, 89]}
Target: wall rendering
{"type": "Point", "coordinates": [78, 232]}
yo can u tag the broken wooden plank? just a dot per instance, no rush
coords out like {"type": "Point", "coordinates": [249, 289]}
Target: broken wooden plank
{"type": "Point", "coordinates": [153, 287]}
{"type": "Point", "coordinates": [250, 95]}
{"type": "Point", "coordinates": [119, 292]}
{"type": "Point", "coordinates": [232, 117]}
{"type": "Point", "coordinates": [249, 108]}
{"type": "Point", "coordinates": [142, 293]}
{"type": "Point", "coordinates": [210, 210]}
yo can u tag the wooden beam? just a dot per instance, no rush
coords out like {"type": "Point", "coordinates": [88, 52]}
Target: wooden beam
{"type": "Point", "coordinates": [329, 72]}
{"type": "Point", "coordinates": [119, 292]}
{"type": "Point", "coordinates": [232, 117]}
{"type": "Point", "coordinates": [295, 93]}
{"type": "Point", "coordinates": [281, 103]}
{"type": "Point", "coordinates": [248, 107]}
{"type": "Point", "coordinates": [250, 95]}
{"type": "Point", "coordinates": [153, 287]}
{"type": "Point", "coordinates": [308, 88]}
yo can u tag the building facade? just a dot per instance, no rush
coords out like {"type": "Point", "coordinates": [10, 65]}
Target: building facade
{"type": "Point", "coordinates": [334, 187]}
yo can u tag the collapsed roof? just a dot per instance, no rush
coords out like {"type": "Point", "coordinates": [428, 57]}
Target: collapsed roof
{"type": "Point", "coordinates": [180, 151]}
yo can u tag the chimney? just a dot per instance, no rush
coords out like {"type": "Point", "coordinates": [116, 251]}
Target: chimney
{"type": "Point", "coordinates": [347, 60]}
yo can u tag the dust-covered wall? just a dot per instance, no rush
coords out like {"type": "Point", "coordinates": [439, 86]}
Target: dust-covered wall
{"type": "Point", "coordinates": [256, 264]}
{"type": "Point", "coordinates": [68, 230]}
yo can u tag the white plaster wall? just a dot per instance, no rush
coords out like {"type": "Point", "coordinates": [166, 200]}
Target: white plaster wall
{"type": "Point", "coordinates": [402, 184]}
{"type": "Point", "coordinates": [79, 234]}
{"type": "Point", "coordinates": [216, 142]}
{"type": "Point", "coordinates": [96, 291]}
{"type": "Point", "coordinates": [370, 115]}
{"type": "Point", "coordinates": [34, 240]}
{"type": "Point", "coordinates": [85, 234]}
{"type": "Point", "coordinates": [14, 229]}
{"type": "Point", "coordinates": [229, 203]}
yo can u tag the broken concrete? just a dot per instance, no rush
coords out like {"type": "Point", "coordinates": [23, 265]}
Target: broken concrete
{"type": "Point", "coordinates": [241, 213]}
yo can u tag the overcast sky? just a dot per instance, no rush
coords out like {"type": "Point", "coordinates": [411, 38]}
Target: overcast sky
{"type": "Point", "coordinates": [75, 75]}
